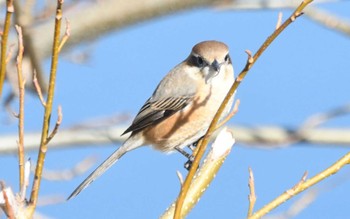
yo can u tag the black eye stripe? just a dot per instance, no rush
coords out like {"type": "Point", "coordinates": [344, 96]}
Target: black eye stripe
{"type": "Point", "coordinates": [197, 61]}
{"type": "Point", "coordinates": [228, 59]}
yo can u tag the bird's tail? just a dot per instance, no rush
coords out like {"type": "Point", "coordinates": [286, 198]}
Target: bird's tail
{"type": "Point", "coordinates": [103, 167]}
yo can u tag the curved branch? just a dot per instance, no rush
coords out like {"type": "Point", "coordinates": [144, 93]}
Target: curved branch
{"type": "Point", "coordinates": [106, 16]}
{"type": "Point", "coordinates": [302, 185]}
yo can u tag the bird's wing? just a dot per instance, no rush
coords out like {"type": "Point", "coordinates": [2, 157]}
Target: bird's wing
{"type": "Point", "coordinates": [153, 112]}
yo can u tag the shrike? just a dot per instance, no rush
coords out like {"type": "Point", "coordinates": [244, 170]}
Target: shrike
{"type": "Point", "coordinates": [181, 108]}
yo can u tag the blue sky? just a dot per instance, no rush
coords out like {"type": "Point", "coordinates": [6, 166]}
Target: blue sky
{"type": "Point", "coordinates": [305, 71]}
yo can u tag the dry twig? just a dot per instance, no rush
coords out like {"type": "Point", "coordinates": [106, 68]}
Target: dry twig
{"type": "Point", "coordinates": [4, 39]}
{"type": "Point", "coordinates": [38, 89]}
{"type": "Point", "coordinates": [66, 36]}
{"type": "Point", "coordinates": [7, 205]}
{"type": "Point", "coordinates": [251, 196]}
{"type": "Point", "coordinates": [302, 185]}
{"type": "Point", "coordinates": [57, 125]}
{"type": "Point", "coordinates": [21, 91]}
{"type": "Point", "coordinates": [47, 114]}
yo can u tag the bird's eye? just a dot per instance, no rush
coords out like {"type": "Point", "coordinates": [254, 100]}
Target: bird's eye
{"type": "Point", "coordinates": [227, 58]}
{"type": "Point", "coordinates": [200, 61]}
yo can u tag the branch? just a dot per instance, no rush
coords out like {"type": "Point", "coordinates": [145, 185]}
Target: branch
{"type": "Point", "coordinates": [239, 79]}
{"type": "Point", "coordinates": [329, 20]}
{"type": "Point", "coordinates": [251, 196]}
{"type": "Point", "coordinates": [48, 110]}
{"type": "Point", "coordinates": [264, 137]}
{"type": "Point", "coordinates": [57, 125]}
{"type": "Point", "coordinates": [65, 37]}
{"type": "Point", "coordinates": [21, 91]}
{"type": "Point", "coordinates": [4, 39]}
{"type": "Point", "coordinates": [220, 150]}
{"type": "Point", "coordinates": [302, 185]}
{"type": "Point", "coordinates": [92, 21]}
{"type": "Point", "coordinates": [6, 200]}
{"type": "Point", "coordinates": [38, 89]}
{"type": "Point", "coordinates": [24, 19]}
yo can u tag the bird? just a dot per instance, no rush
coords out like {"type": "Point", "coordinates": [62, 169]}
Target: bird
{"type": "Point", "coordinates": [181, 108]}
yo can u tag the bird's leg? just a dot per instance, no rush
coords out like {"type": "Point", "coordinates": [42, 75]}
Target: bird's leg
{"type": "Point", "coordinates": [190, 158]}
{"type": "Point", "coordinates": [194, 144]}
{"type": "Point", "coordinates": [183, 152]}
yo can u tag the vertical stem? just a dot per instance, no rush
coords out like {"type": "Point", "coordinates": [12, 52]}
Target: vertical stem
{"type": "Point", "coordinates": [4, 37]}
{"type": "Point", "coordinates": [48, 109]}
{"type": "Point", "coordinates": [21, 108]}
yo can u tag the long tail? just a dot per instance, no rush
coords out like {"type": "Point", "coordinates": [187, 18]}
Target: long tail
{"type": "Point", "coordinates": [100, 169]}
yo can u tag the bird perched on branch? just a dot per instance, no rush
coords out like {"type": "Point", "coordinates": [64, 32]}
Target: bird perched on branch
{"type": "Point", "coordinates": [182, 106]}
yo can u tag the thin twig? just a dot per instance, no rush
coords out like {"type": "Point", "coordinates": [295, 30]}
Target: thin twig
{"type": "Point", "coordinates": [38, 89]}
{"type": "Point", "coordinates": [279, 20]}
{"type": "Point", "coordinates": [57, 125]}
{"type": "Point", "coordinates": [24, 20]}
{"type": "Point", "coordinates": [251, 196]}
{"type": "Point", "coordinates": [181, 178]}
{"type": "Point", "coordinates": [301, 181]}
{"type": "Point", "coordinates": [66, 35]}
{"type": "Point", "coordinates": [329, 20]}
{"type": "Point", "coordinates": [8, 207]}
{"type": "Point", "coordinates": [21, 91]}
{"type": "Point", "coordinates": [4, 38]}
{"type": "Point", "coordinates": [48, 110]}
{"type": "Point", "coordinates": [302, 185]}
{"type": "Point", "coordinates": [203, 143]}
{"type": "Point", "coordinates": [319, 118]}
{"type": "Point", "coordinates": [23, 191]}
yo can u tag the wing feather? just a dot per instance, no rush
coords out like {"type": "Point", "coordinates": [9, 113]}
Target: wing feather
{"type": "Point", "coordinates": [153, 112]}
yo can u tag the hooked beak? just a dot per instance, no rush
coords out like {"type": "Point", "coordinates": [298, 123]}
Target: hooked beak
{"type": "Point", "coordinates": [213, 71]}
{"type": "Point", "coordinates": [216, 66]}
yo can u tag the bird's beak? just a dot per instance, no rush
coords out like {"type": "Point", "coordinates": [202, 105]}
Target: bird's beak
{"type": "Point", "coordinates": [216, 66]}
{"type": "Point", "coordinates": [214, 71]}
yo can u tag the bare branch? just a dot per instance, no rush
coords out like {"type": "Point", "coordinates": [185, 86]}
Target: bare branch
{"type": "Point", "coordinates": [21, 92]}
{"type": "Point", "coordinates": [264, 137]}
{"type": "Point", "coordinates": [57, 125]}
{"type": "Point", "coordinates": [251, 196]}
{"type": "Point", "coordinates": [47, 114]}
{"type": "Point", "coordinates": [279, 20]}
{"type": "Point", "coordinates": [66, 36]}
{"type": "Point", "coordinates": [24, 19]}
{"type": "Point", "coordinates": [302, 185]}
{"type": "Point", "coordinates": [320, 118]}
{"type": "Point", "coordinates": [7, 207]}
{"type": "Point", "coordinates": [38, 89]}
{"type": "Point", "coordinates": [181, 178]}
{"type": "Point", "coordinates": [4, 39]}
{"type": "Point", "coordinates": [329, 20]}
{"type": "Point", "coordinates": [23, 190]}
